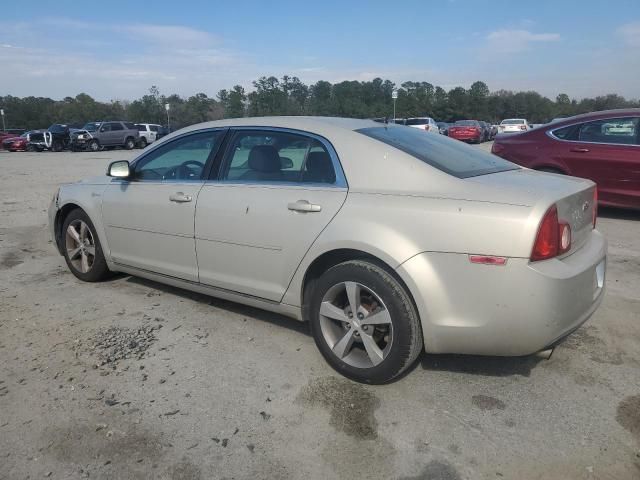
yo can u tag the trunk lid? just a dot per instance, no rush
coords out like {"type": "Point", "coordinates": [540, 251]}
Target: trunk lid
{"type": "Point", "coordinates": [574, 198]}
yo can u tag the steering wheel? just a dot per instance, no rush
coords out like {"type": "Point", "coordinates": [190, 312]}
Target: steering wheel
{"type": "Point", "coordinates": [182, 171]}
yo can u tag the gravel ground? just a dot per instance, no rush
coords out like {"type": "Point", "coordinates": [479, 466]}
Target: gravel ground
{"type": "Point", "coordinates": [130, 379]}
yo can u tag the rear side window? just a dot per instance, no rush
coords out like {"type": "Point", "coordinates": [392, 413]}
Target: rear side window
{"type": "Point", "coordinates": [154, 128]}
{"type": "Point", "coordinates": [130, 126]}
{"type": "Point", "coordinates": [141, 128]}
{"type": "Point", "coordinates": [268, 157]}
{"type": "Point", "coordinates": [116, 126]}
{"type": "Point", "coordinates": [450, 156]}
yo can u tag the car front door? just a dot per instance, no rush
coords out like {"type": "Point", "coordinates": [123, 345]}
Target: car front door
{"type": "Point", "coordinates": [275, 192]}
{"type": "Point", "coordinates": [607, 152]}
{"type": "Point", "coordinates": [149, 217]}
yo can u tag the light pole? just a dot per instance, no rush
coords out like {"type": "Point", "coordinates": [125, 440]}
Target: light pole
{"type": "Point", "coordinates": [394, 95]}
{"type": "Point", "coordinates": [4, 127]}
{"type": "Point", "coordinates": [166, 107]}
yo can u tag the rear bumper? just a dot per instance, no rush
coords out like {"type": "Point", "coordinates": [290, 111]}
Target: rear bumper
{"type": "Point", "coordinates": [466, 138]}
{"type": "Point", "coordinates": [510, 310]}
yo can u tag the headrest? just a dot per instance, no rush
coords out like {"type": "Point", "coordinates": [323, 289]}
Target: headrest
{"type": "Point", "coordinates": [264, 158]}
{"type": "Point", "coordinates": [320, 167]}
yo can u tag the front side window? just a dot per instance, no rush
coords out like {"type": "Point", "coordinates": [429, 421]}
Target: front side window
{"type": "Point", "coordinates": [450, 156]}
{"type": "Point", "coordinates": [182, 159]}
{"type": "Point", "coordinates": [270, 156]}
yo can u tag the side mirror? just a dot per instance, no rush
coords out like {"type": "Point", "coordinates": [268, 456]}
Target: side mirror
{"type": "Point", "coordinates": [119, 169]}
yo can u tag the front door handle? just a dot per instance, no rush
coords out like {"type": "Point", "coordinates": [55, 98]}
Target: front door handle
{"type": "Point", "coordinates": [303, 206]}
{"type": "Point", "coordinates": [180, 197]}
{"type": "Point", "coordinates": [580, 150]}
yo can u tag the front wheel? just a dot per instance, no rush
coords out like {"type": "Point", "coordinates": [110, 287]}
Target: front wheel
{"type": "Point", "coordinates": [364, 322]}
{"type": "Point", "coordinates": [94, 146]}
{"type": "Point", "coordinates": [81, 248]}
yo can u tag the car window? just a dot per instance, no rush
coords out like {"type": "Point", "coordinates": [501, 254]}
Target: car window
{"type": "Point", "coordinates": [116, 126]}
{"type": "Point", "coordinates": [452, 157]}
{"type": "Point", "coordinates": [513, 121]}
{"type": "Point", "coordinates": [181, 159]}
{"type": "Point", "coordinates": [130, 126]}
{"type": "Point", "coordinates": [417, 121]}
{"type": "Point", "coordinates": [141, 128]}
{"type": "Point", "coordinates": [610, 130]}
{"type": "Point", "coordinates": [269, 156]}
{"type": "Point", "coordinates": [105, 127]}
{"type": "Point", "coordinates": [153, 128]}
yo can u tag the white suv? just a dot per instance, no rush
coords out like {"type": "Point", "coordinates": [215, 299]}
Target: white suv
{"type": "Point", "coordinates": [424, 123]}
{"type": "Point", "coordinates": [148, 133]}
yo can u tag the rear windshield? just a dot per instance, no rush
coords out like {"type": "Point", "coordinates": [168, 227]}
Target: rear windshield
{"type": "Point", "coordinates": [417, 121]}
{"type": "Point", "coordinates": [450, 156]}
{"type": "Point", "coordinates": [513, 121]}
{"type": "Point", "coordinates": [466, 123]}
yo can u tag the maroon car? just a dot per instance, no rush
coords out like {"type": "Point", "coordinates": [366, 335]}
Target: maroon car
{"type": "Point", "coordinates": [467, 131]}
{"type": "Point", "coordinates": [601, 146]}
{"type": "Point", "coordinates": [16, 144]}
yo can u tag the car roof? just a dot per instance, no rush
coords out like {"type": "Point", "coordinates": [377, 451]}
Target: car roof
{"type": "Point", "coordinates": [622, 112]}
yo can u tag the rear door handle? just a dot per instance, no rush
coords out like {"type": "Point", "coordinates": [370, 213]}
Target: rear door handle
{"type": "Point", "coordinates": [303, 206]}
{"type": "Point", "coordinates": [180, 197]}
{"type": "Point", "coordinates": [579, 150]}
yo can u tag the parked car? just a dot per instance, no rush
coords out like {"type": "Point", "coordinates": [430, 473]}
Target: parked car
{"type": "Point", "coordinates": [486, 130]}
{"type": "Point", "coordinates": [443, 127]}
{"type": "Point", "coordinates": [427, 124]}
{"type": "Point", "coordinates": [9, 133]}
{"type": "Point", "coordinates": [494, 131]}
{"type": "Point", "coordinates": [601, 146]}
{"type": "Point", "coordinates": [467, 131]}
{"type": "Point", "coordinates": [514, 125]}
{"type": "Point", "coordinates": [16, 144]}
{"type": "Point", "coordinates": [163, 132]}
{"type": "Point", "coordinates": [148, 133]}
{"type": "Point", "coordinates": [55, 138]}
{"type": "Point", "coordinates": [96, 135]}
{"type": "Point", "coordinates": [383, 238]}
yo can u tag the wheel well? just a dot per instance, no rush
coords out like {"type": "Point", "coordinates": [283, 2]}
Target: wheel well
{"type": "Point", "coordinates": [550, 169]}
{"type": "Point", "coordinates": [59, 221]}
{"type": "Point", "coordinates": [334, 257]}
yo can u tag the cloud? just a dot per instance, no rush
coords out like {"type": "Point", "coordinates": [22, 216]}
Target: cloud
{"type": "Point", "coordinates": [630, 33]}
{"type": "Point", "coordinates": [515, 41]}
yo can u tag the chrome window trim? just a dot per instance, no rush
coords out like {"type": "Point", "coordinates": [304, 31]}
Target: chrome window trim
{"type": "Point", "coordinates": [341, 180]}
{"type": "Point", "coordinates": [550, 133]}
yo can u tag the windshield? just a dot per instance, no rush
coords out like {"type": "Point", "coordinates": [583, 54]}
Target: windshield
{"type": "Point", "coordinates": [513, 121]}
{"type": "Point", "coordinates": [466, 123]}
{"type": "Point", "coordinates": [450, 156]}
{"type": "Point", "coordinates": [91, 126]}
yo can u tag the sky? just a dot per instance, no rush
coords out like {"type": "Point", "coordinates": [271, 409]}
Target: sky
{"type": "Point", "coordinates": [119, 49]}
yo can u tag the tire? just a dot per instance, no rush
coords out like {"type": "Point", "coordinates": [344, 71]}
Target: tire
{"type": "Point", "coordinates": [129, 143]}
{"type": "Point", "coordinates": [31, 148]}
{"type": "Point", "coordinates": [94, 145]}
{"type": "Point", "coordinates": [56, 147]}
{"type": "Point", "coordinates": [89, 250]}
{"type": "Point", "coordinates": [397, 333]}
{"type": "Point", "coordinates": [142, 143]}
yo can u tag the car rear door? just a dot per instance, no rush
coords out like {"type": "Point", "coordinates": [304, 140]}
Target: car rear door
{"type": "Point", "coordinates": [276, 191]}
{"type": "Point", "coordinates": [607, 152]}
{"type": "Point", "coordinates": [149, 218]}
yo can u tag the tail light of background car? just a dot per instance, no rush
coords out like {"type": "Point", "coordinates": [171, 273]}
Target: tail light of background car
{"type": "Point", "coordinates": [553, 238]}
{"type": "Point", "coordinates": [523, 127]}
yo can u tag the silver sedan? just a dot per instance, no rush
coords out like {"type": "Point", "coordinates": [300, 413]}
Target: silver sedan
{"type": "Point", "coordinates": [386, 240]}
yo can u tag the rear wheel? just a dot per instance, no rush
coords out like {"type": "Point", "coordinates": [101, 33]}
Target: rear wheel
{"type": "Point", "coordinates": [142, 143]}
{"type": "Point", "coordinates": [364, 322]}
{"type": "Point", "coordinates": [129, 143]}
{"type": "Point", "coordinates": [81, 248]}
{"type": "Point", "coordinates": [56, 146]}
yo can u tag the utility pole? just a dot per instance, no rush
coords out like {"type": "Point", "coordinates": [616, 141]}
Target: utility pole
{"type": "Point", "coordinates": [166, 107]}
{"type": "Point", "coordinates": [4, 127]}
{"type": "Point", "coordinates": [394, 95]}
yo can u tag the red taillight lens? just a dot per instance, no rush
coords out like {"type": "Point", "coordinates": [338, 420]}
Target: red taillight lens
{"type": "Point", "coordinates": [553, 239]}
{"type": "Point", "coordinates": [595, 206]}
{"type": "Point", "coordinates": [522, 127]}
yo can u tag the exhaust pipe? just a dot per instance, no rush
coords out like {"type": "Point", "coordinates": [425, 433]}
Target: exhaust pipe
{"type": "Point", "coordinates": [544, 354]}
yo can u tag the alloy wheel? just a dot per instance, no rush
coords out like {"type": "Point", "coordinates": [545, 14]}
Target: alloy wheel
{"type": "Point", "coordinates": [80, 246]}
{"type": "Point", "coordinates": [356, 324]}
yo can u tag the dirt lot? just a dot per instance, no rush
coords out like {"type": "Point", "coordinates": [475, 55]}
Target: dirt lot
{"type": "Point", "coordinates": [130, 379]}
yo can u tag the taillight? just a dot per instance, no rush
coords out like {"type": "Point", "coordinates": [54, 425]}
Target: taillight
{"type": "Point", "coordinates": [595, 206]}
{"type": "Point", "coordinates": [553, 239]}
{"type": "Point", "coordinates": [523, 127]}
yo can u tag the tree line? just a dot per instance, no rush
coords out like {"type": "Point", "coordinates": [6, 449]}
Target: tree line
{"type": "Point", "coordinates": [289, 96]}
